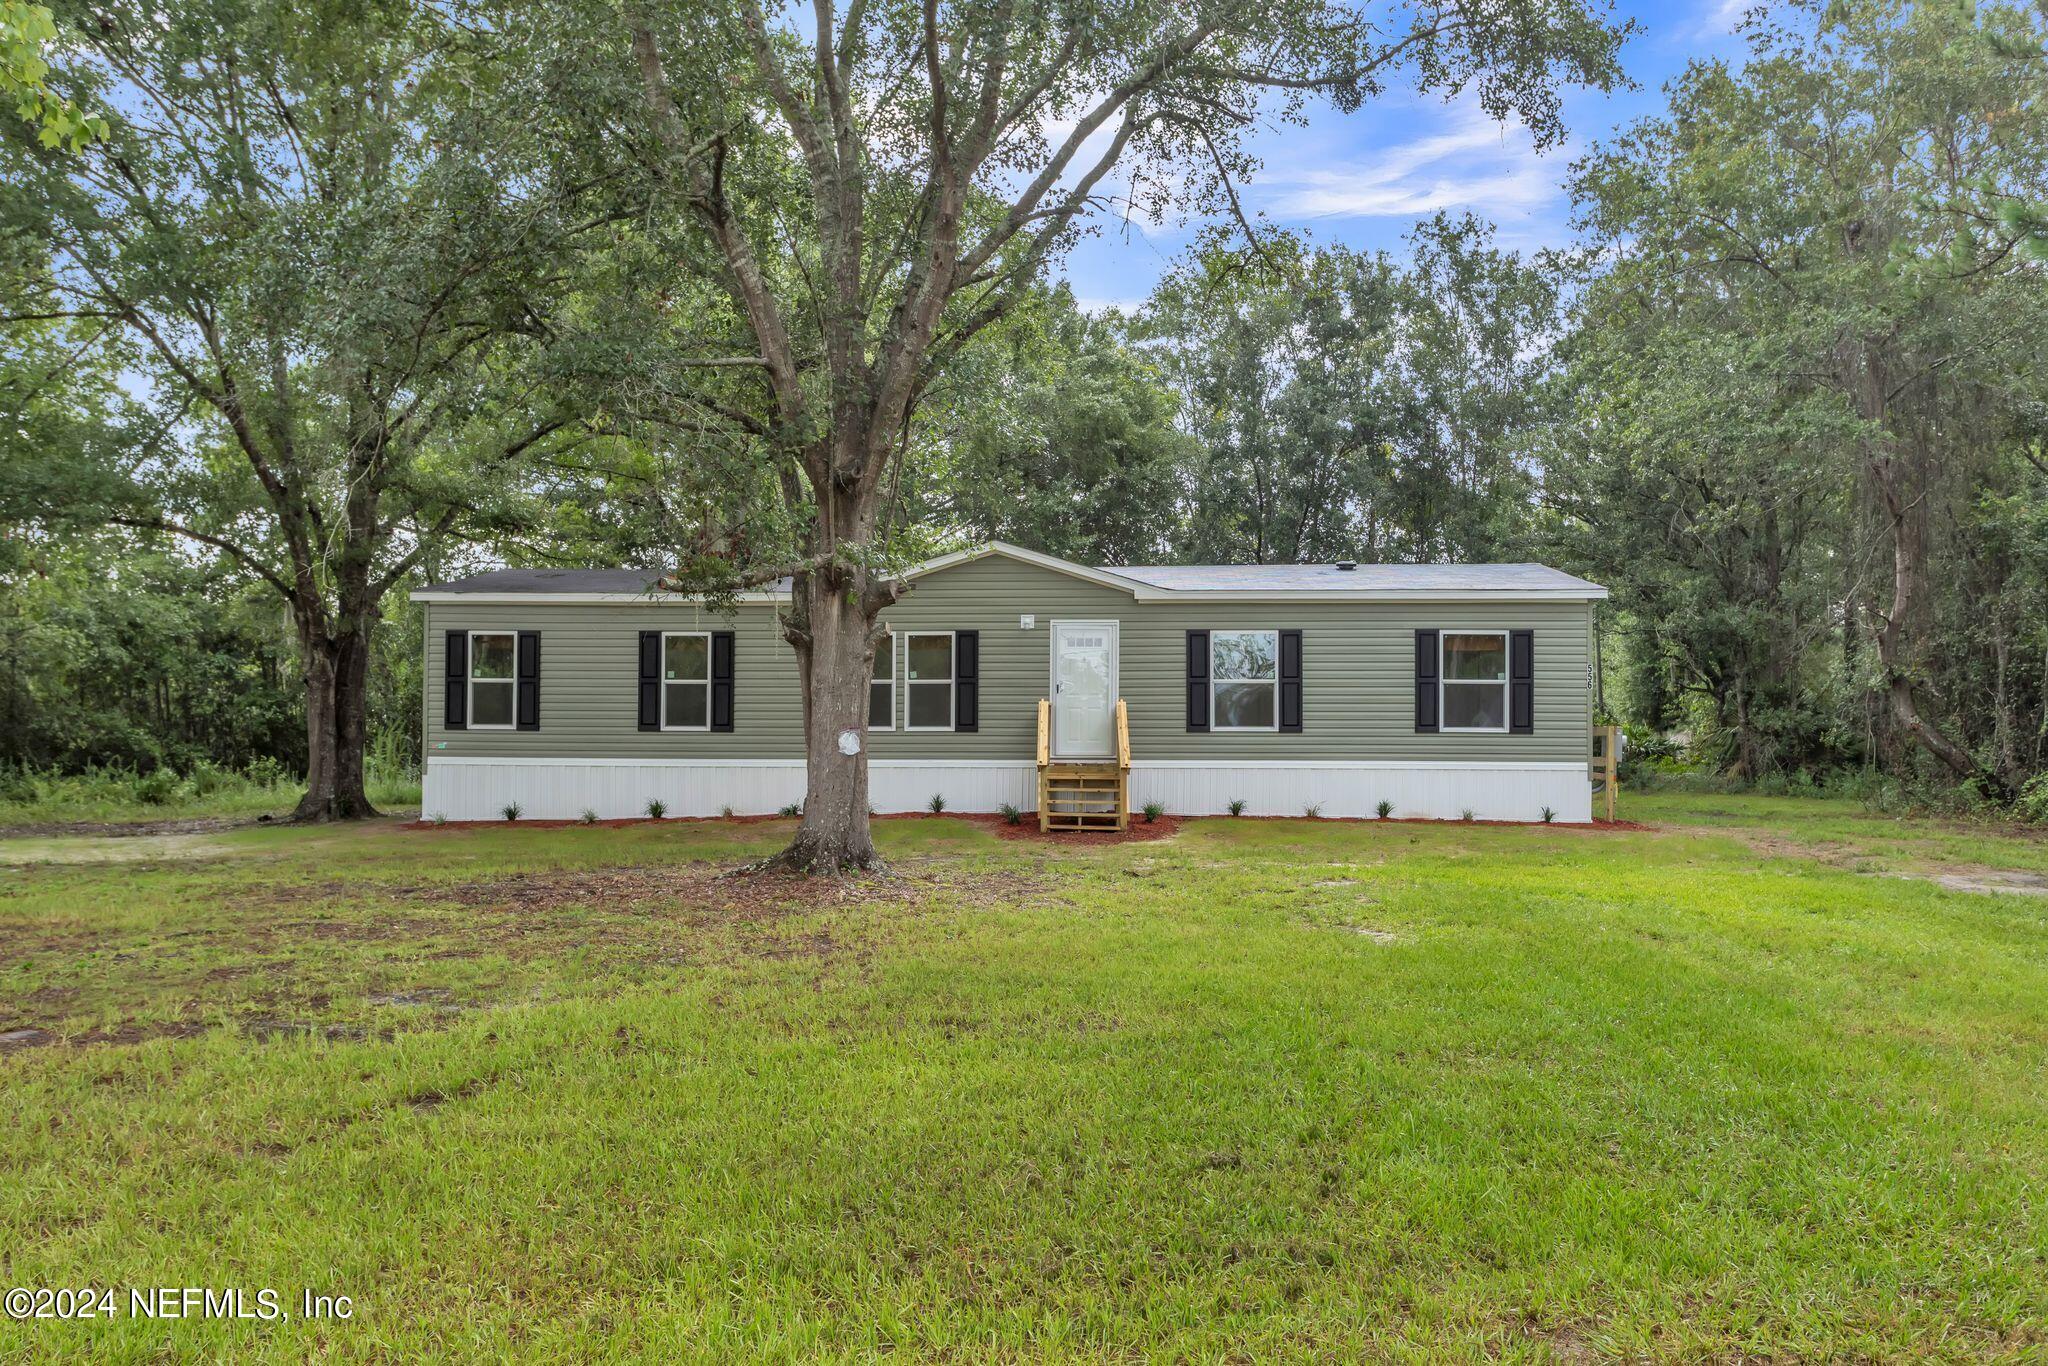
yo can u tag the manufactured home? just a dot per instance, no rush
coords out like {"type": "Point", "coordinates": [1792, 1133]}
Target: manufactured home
{"type": "Point", "coordinates": [1441, 689]}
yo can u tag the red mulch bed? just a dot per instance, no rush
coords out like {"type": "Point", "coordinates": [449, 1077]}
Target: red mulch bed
{"type": "Point", "coordinates": [1140, 829]}
{"type": "Point", "coordinates": [1024, 829]}
{"type": "Point", "coordinates": [1581, 826]}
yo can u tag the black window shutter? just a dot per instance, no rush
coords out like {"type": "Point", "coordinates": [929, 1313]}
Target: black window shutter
{"type": "Point", "coordinates": [527, 715]}
{"type": "Point", "coordinates": [1290, 681]}
{"type": "Point", "coordinates": [455, 697]}
{"type": "Point", "coordinates": [967, 680]}
{"type": "Point", "coordinates": [1522, 682]}
{"type": "Point", "coordinates": [650, 680]}
{"type": "Point", "coordinates": [1198, 680]}
{"type": "Point", "coordinates": [1425, 681]}
{"type": "Point", "coordinates": [721, 680]}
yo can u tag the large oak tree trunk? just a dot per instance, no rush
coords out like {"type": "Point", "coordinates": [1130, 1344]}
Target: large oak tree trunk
{"type": "Point", "coordinates": [337, 673]}
{"type": "Point", "coordinates": [834, 634]}
{"type": "Point", "coordinates": [318, 803]}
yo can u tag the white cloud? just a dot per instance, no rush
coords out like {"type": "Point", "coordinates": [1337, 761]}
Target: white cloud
{"type": "Point", "coordinates": [1713, 23]}
{"type": "Point", "coordinates": [1472, 163]}
{"type": "Point", "coordinates": [1720, 17]}
{"type": "Point", "coordinates": [1095, 307]}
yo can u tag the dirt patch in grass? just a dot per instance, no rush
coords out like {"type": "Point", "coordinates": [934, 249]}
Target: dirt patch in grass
{"type": "Point", "coordinates": [338, 960]}
{"type": "Point", "coordinates": [195, 825]}
{"type": "Point", "coordinates": [1842, 856]}
{"type": "Point", "coordinates": [691, 888]}
{"type": "Point", "coordinates": [1562, 1342]}
{"type": "Point", "coordinates": [1984, 880]}
{"type": "Point", "coordinates": [434, 1100]}
{"type": "Point", "coordinates": [15, 1040]}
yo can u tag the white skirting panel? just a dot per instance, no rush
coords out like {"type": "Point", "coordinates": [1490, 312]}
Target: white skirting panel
{"type": "Point", "coordinates": [1445, 792]}
{"type": "Point", "coordinates": [563, 789]}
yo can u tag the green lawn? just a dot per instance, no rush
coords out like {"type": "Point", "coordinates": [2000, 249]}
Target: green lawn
{"type": "Point", "coordinates": [1746, 1084]}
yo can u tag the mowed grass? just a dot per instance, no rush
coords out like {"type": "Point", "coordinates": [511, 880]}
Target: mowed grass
{"type": "Point", "coordinates": [1731, 1087]}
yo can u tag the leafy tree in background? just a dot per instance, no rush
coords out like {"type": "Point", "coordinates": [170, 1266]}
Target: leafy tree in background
{"type": "Point", "coordinates": [1828, 253]}
{"type": "Point", "coordinates": [1344, 406]}
{"type": "Point", "coordinates": [114, 654]}
{"type": "Point", "coordinates": [26, 34]}
{"type": "Point", "coordinates": [870, 190]}
{"type": "Point", "coordinates": [344, 273]}
{"type": "Point", "coordinates": [1703, 492]}
{"type": "Point", "coordinates": [1052, 433]}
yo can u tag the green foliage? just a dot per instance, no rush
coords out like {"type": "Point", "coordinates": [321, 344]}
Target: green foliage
{"type": "Point", "coordinates": [1010, 814]}
{"type": "Point", "coordinates": [1056, 434]}
{"type": "Point", "coordinates": [115, 653]}
{"type": "Point", "coordinates": [1152, 811]}
{"type": "Point", "coordinates": [1236, 806]}
{"type": "Point", "coordinates": [26, 32]}
{"type": "Point", "coordinates": [1803, 392]}
{"type": "Point", "coordinates": [1345, 407]}
{"type": "Point", "coordinates": [937, 803]}
{"type": "Point", "coordinates": [589, 817]}
{"type": "Point", "coordinates": [510, 811]}
{"type": "Point", "coordinates": [792, 811]}
{"type": "Point", "coordinates": [656, 808]}
{"type": "Point", "coordinates": [115, 793]}
{"type": "Point", "coordinates": [340, 289]}
{"type": "Point", "coordinates": [1385, 809]}
{"type": "Point", "coordinates": [2033, 802]}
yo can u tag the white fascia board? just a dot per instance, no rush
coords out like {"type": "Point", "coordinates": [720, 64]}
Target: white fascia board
{"type": "Point", "coordinates": [587, 599]}
{"type": "Point", "coordinates": [1149, 594]}
{"type": "Point", "coordinates": [1138, 591]}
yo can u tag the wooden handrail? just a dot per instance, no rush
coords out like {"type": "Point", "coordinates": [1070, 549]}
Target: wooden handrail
{"type": "Point", "coordinates": [1606, 763]}
{"type": "Point", "coordinates": [1044, 731]}
{"type": "Point", "coordinates": [1123, 735]}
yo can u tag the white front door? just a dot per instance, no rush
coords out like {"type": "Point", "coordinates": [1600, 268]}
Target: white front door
{"type": "Point", "coordinates": [1084, 689]}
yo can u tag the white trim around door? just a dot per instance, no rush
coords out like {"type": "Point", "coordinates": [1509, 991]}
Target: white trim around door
{"type": "Point", "coordinates": [1060, 749]}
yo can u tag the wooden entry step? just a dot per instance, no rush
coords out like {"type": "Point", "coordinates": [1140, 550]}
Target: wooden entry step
{"type": "Point", "coordinates": [1086, 794]}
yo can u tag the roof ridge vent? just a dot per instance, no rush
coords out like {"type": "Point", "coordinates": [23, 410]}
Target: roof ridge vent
{"type": "Point", "coordinates": [1347, 565]}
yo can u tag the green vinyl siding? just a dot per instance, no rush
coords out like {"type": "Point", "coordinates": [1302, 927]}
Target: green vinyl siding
{"type": "Point", "coordinates": [1357, 674]}
{"type": "Point", "coordinates": [590, 683]}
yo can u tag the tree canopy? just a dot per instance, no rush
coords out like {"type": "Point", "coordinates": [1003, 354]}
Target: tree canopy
{"type": "Point", "coordinates": [326, 301]}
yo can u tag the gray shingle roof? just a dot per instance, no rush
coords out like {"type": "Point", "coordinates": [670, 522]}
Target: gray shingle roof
{"type": "Point", "coordinates": [1380, 578]}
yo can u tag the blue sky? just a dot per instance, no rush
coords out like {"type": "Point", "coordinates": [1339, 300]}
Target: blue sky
{"type": "Point", "coordinates": [1364, 179]}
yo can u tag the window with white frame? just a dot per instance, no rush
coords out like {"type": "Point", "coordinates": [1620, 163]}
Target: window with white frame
{"type": "Point", "coordinates": [1244, 680]}
{"type": "Point", "coordinates": [491, 679]}
{"type": "Point", "coordinates": [1474, 679]}
{"type": "Point", "coordinates": [686, 680]}
{"type": "Point", "coordinates": [928, 680]}
{"type": "Point", "coordinates": [882, 685]}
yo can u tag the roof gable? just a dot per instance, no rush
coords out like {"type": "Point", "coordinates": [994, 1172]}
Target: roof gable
{"type": "Point", "coordinates": [1106, 578]}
